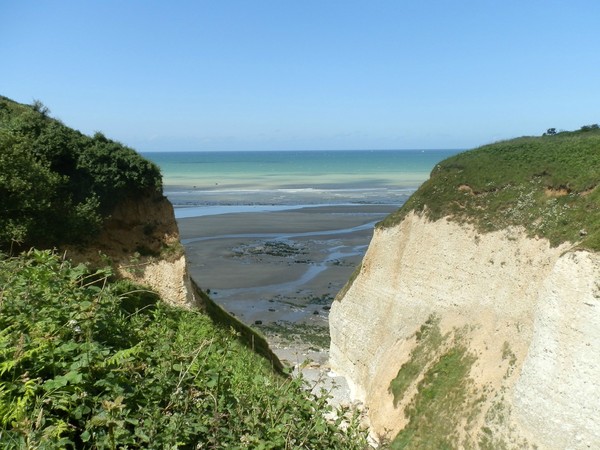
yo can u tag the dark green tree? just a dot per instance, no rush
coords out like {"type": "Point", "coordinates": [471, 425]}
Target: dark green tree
{"type": "Point", "coordinates": [56, 184]}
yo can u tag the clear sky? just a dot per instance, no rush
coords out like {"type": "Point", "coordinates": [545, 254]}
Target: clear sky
{"type": "Point", "coordinates": [305, 74]}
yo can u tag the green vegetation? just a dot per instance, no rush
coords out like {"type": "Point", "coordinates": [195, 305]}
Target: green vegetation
{"type": "Point", "coordinates": [90, 361]}
{"type": "Point", "coordinates": [56, 184]}
{"type": "Point", "coordinates": [289, 332]}
{"type": "Point", "coordinates": [438, 370]}
{"type": "Point", "coordinates": [248, 335]}
{"type": "Point", "coordinates": [87, 362]}
{"type": "Point", "coordinates": [547, 184]}
{"type": "Point", "coordinates": [508, 354]}
{"type": "Point", "coordinates": [428, 339]}
{"type": "Point", "coordinates": [437, 411]}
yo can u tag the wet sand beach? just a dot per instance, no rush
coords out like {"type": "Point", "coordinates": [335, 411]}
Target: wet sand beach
{"type": "Point", "coordinates": [279, 271]}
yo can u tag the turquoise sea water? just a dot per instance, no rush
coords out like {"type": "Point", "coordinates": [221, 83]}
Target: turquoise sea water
{"type": "Point", "coordinates": [213, 182]}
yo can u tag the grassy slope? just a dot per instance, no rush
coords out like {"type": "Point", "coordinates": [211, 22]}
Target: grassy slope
{"type": "Point", "coordinates": [247, 335]}
{"type": "Point", "coordinates": [438, 367]}
{"type": "Point", "coordinates": [548, 184]}
{"type": "Point", "coordinates": [87, 362]}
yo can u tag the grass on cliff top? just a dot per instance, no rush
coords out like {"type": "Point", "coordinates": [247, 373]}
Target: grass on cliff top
{"type": "Point", "coordinates": [547, 184]}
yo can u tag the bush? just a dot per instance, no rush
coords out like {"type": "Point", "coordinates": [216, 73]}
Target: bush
{"type": "Point", "coordinates": [56, 184]}
{"type": "Point", "coordinates": [88, 363]}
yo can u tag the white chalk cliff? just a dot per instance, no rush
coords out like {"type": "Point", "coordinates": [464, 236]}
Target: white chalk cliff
{"type": "Point", "coordinates": [528, 314]}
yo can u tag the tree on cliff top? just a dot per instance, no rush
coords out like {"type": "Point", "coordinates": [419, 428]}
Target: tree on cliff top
{"type": "Point", "coordinates": [56, 184]}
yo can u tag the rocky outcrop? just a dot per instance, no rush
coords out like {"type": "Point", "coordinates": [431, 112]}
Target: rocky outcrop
{"type": "Point", "coordinates": [140, 240]}
{"type": "Point", "coordinates": [525, 315]}
{"type": "Point", "coordinates": [168, 277]}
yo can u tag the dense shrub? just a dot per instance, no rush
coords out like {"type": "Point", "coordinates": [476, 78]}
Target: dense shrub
{"type": "Point", "coordinates": [56, 184]}
{"type": "Point", "coordinates": [88, 363]}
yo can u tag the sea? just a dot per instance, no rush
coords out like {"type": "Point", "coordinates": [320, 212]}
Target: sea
{"type": "Point", "coordinates": [211, 182]}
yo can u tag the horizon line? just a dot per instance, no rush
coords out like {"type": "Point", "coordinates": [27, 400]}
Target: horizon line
{"type": "Point", "coordinates": [310, 150]}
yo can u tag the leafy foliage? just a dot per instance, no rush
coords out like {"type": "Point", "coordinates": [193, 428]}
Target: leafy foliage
{"type": "Point", "coordinates": [90, 363]}
{"type": "Point", "coordinates": [56, 184]}
{"type": "Point", "coordinates": [548, 185]}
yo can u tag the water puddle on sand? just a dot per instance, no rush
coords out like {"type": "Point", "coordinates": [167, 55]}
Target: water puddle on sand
{"type": "Point", "coordinates": [336, 255]}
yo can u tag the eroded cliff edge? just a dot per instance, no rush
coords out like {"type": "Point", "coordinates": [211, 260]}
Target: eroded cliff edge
{"type": "Point", "coordinates": [450, 334]}
{"type": "Point", "coordinates": [140, 239]}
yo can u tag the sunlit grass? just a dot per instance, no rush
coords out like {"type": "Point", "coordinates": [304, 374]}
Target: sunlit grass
{"type": "Point", "coordinates": [548, 185]}
{"type": "Point", "coordinates": [90, 362]}
{"type": "Point", "coordinates": [436, 379]}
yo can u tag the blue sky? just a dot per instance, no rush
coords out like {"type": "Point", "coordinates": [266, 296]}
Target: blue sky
{"type": "Point", "coordinates": [293, 75]}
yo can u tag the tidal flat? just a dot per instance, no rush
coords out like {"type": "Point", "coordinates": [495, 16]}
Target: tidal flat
{"type": "Point", "coordinates": [279, 271]}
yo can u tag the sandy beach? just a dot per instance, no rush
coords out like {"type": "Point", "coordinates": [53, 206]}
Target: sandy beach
{"type": "Point", "coordinates": [280, 271]}
{"type": "Point", "coordinates": [275, 266]}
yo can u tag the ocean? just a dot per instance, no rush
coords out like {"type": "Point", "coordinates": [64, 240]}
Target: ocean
{"type": "Point", "coordinates": [208, 183]}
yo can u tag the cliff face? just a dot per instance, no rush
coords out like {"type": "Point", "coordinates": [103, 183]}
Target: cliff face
{"type": "Point", "coordinates": [141, 240]}
{"type": "Point", "coordinates": [511, 321]}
